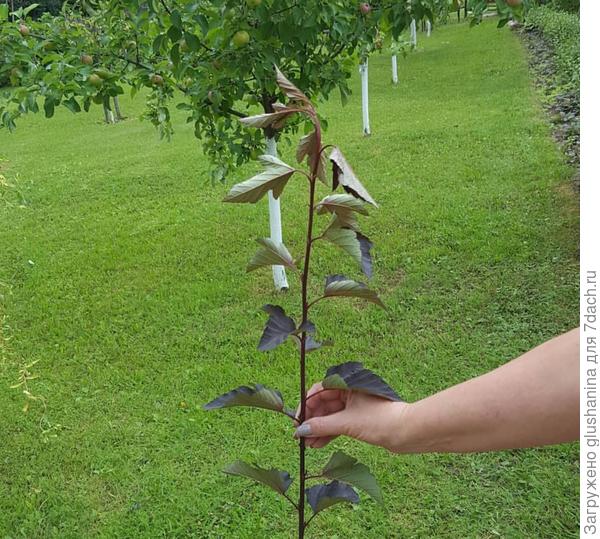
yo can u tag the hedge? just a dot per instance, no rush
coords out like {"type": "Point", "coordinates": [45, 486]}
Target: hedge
{"type": "Point", "coordinates": [561, 30]}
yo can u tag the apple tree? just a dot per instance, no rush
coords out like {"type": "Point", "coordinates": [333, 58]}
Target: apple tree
{"type": "Point", "coordinates": [213, 59]}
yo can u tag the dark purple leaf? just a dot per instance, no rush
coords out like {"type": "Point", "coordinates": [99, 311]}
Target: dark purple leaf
{"type": "Point", "coordinates": [353, 376]}
{"type": "Point", "coordinates": [278, 480]}
{"type": "Point", "coordinates": [365, 254]}
{"type": "Point", "coordinates": [339, 285]}
{"type": "Point", "coordinates": [323, 496]}
{"type": "Point", "coordinates": [345, 468]}
{"type": "Point", "coordinates": [258, 396]}
{"type": "Point", "coordinates": [279, 327]}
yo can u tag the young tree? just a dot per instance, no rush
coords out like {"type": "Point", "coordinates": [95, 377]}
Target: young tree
{"type": "Point", "coordinates": [342, 471]}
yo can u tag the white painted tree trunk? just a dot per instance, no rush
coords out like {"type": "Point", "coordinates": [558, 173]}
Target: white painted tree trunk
{"type": "Point", "coordinates": [413, 33]}
{"type": "Point", "coordinates": [108, 115]}
{"type": "Point", "coordinates": [364, 79]}
{"type": "Point", "coordinates": [394, 69]}
{"type": "Point", "coordinates": [428, 26]}
{"type": "Point", "coordinates": [118, 114]}
{"type": "Point", "coordinates": [279, 276]}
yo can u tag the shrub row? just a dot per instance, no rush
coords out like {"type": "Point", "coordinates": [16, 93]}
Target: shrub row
{"type": "Point", "coordinates": [561, 30]}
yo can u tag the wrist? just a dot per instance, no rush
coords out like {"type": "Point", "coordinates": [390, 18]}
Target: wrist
{"type": "Point", "coordinates": [395, 429]}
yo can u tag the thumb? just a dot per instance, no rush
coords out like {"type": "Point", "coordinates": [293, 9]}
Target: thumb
{"type": "Point", "coordinates": [327, 425]}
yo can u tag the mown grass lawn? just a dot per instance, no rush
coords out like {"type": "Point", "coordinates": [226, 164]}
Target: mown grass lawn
{"type": "Point", "coordinates": [122, 275]}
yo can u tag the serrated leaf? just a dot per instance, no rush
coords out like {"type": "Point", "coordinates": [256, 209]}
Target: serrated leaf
{"type": "Point", "coordinates": [278, 480]}
{"type": "Point", "coordinates": [322, 496]}
{"type": "Point", "coordinates": [357, 245]}
{"type": "Point", "coordinates": [347, 469]}
{"type": "Point", "coordinates": [269, 119]}
{"type": "Point", "coordinates": [271, 254]}
{"type": "Point", "coordinates": [344, 175]}
{"type": "Point", "coordinates": [339, 285]}
{"type": "Point", "coordinates": [275, 178]}
{"type": "Point", "coordinates": [289, 89]}
{"type": "Point", "coordinates": [258, 396]}
{"type": "Point", "coordinates": [308, 147]}
{"type": "Point", "coordinates": [279, 327]}
{"type": "Point", "coordinates": [353, 376]}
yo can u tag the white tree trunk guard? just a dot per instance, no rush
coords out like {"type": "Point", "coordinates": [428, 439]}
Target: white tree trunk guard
{"type": "Point", "coordinates": [364, 79]}
{"type": "Point", "coordinates": [279, 276]}
{"type": "Point", "coordinates": [394, 69]}
{"type": "Point", "coordinates": [413, 33]}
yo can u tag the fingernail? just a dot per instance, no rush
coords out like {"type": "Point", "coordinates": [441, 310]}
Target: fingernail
{"type": "Point", "coordinates": [303, 430]}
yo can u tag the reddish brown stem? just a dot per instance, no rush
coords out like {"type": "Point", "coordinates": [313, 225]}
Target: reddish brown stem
{"type": "Point", "coordinates": [305, 308]}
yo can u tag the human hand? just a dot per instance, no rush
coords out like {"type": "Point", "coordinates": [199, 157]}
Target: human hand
{"type": "Point", "coordinates": [334, 412]}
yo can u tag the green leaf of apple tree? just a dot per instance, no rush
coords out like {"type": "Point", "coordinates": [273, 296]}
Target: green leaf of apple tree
{"type": "Point", "coordinates": [347, 469]}
{"type": "Point", "coordinates": [274, 177]}
{"type": "Point", "coordinates": [258, 396]}
{"type": "Point", "coordinates": [271, 254]}
{"type": "Point", "coordinates": [344, 175]}
{"type": "Point", "coordinates": [353, 376]}
{"type": "Point", "coordinates": [279, 327]}
{"type": "Point", "coordinates": [278, 480]}
{"type": "Point", "coordinates": [322, 496]}
{"type": "Point", "coordinates": [339, 285]}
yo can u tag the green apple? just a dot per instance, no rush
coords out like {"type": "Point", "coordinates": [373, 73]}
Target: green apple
{"type": "Point", "coordinates": [23, 30]}
{"type": "Point", "coordinates": [103, 73]}
{"type": "Point", "coordinates": [95, 80]}
{"type": "Point", "coordinates": [86, 59]}
{"type": "Point", "coordinates": [241, 38]}
{"type": "Point", "coordinates": [252, 4]}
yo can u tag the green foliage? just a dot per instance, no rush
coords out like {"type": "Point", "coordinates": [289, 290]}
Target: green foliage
{"type": "Point", "coordinates": [561, 29]}
{"type": "Point", "coordinates": [41, 6]}
{"type": "Point", "coordinates": [212, 59]}
{"type": "Point", "coordinates": [216, 58]}
{"type": "Point", "coordinates": [571, 6]}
